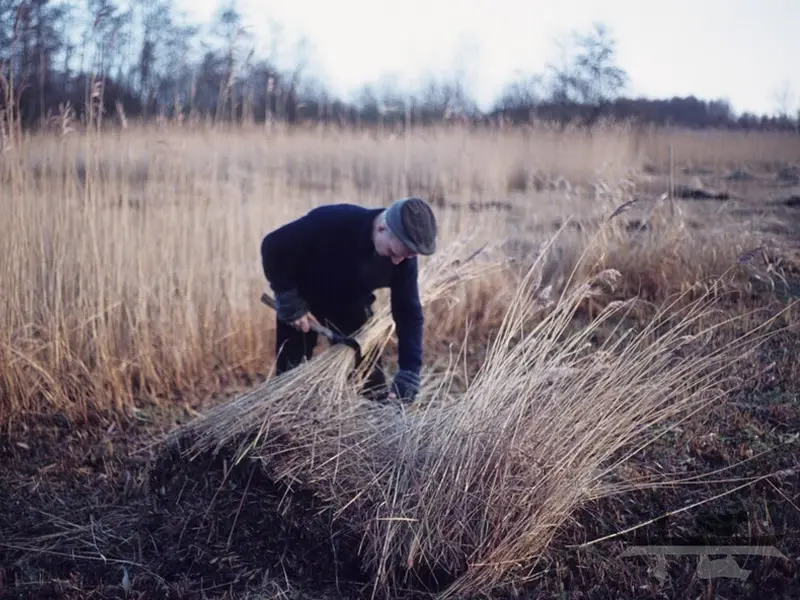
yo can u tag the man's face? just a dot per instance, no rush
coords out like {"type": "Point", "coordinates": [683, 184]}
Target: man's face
{"type": "Point", "coordinates": [386, 244]}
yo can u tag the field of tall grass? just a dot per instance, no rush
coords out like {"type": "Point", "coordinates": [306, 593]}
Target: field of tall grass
{"type": "Point", "coordinates": [130, 266]}
{"type": "Point", "coordinates": [130, 262]}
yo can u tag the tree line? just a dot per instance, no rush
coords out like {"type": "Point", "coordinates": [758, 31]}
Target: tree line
{"type": "Point", "coordinates": [101, 59]}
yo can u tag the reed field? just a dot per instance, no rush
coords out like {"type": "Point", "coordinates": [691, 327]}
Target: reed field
{"type": "Point", "coordinates": [610, 343]}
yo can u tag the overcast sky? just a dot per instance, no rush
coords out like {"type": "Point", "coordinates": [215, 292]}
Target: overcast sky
{"type": "Point", "coordinates": [742, 50]}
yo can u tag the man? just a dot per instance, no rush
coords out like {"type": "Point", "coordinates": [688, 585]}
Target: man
{"type": "Point", "coordinates": [326, 265]}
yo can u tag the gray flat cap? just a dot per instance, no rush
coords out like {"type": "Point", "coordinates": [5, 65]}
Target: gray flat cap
{"type": "Point", "coordinates": [414, 224]}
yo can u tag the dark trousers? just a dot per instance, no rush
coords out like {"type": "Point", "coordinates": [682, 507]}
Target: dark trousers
{"type": "Point", "coordinates": [292, 346]}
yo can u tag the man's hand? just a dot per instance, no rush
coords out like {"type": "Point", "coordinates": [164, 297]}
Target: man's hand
{"type": "Point", "coordinates": [304, 322]}
{"type": "Point", "coordinates": [293, 309]}
{"type": "Point", "coordinates": [405, 386]}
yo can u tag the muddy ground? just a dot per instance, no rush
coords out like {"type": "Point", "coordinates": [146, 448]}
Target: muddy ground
{"type": "Point", "coordinates": [84, 515]}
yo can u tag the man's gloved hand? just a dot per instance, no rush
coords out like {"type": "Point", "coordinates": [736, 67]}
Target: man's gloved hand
{"type": "Point", "coordinates": [290, 306]}
{"type": "Point", "coordinates": [406, 385]}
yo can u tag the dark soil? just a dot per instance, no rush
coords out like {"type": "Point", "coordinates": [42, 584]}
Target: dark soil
{"type": "Point", "coordinates": [84, 507]}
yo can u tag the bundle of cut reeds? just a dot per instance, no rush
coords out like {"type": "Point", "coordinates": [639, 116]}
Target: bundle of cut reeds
{"type": "Point", "coordinates": [474, 490]}
{"type": "Point", "coordinates": [317, 405]}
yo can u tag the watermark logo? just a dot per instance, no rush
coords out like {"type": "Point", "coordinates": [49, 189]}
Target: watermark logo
{"type": "Point", "coordinates": [707, 568]}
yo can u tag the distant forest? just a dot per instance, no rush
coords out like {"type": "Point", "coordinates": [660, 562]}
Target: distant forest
{"type": "Point", "coordinates": [106, 62]}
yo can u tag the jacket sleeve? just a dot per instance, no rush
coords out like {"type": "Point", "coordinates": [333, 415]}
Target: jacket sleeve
{"type": "Point", "coordinates": [408, 315]}
{"type": "Point", "coordinates": [282, 251]}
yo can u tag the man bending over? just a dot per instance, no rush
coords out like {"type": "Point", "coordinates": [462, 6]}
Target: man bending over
{"type": "Point", "coordinates": [326, 265]}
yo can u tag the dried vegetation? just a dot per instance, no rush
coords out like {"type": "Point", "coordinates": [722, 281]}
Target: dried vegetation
{"type": "Point", "coordinates": [576, 365]}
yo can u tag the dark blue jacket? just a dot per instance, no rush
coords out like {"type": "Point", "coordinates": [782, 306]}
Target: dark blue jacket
{"type": "Point", "coordinates": [329, 258]}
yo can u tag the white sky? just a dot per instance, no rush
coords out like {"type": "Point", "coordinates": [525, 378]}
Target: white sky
{"type": "Point", "coordinates": [742, 50]}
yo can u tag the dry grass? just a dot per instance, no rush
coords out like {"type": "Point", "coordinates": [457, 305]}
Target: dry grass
{"type": "Point", "coordinates": [130, 259]}
{"type": "Point", "coordinates": [132, 276]}
{"type": "Point", "coordinates": [470, 487]}
{"type": "Point", "coordinates": [717, 149]}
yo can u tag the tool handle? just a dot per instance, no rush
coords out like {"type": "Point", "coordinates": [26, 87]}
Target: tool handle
{"type": "Point", "coordinates": [319, 328]}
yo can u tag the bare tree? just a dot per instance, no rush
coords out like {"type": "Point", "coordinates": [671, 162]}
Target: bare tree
{"type": "Point", "coordinates": [787, 105]}
{"type": "Point", "coordinates": [232, 33]}
{"type": "Point", "coordinates": [784, 100]}
{"type": "Point", "coordinates": [588, 73]}
{"type": "Point", "coordinates": [522, 93]}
